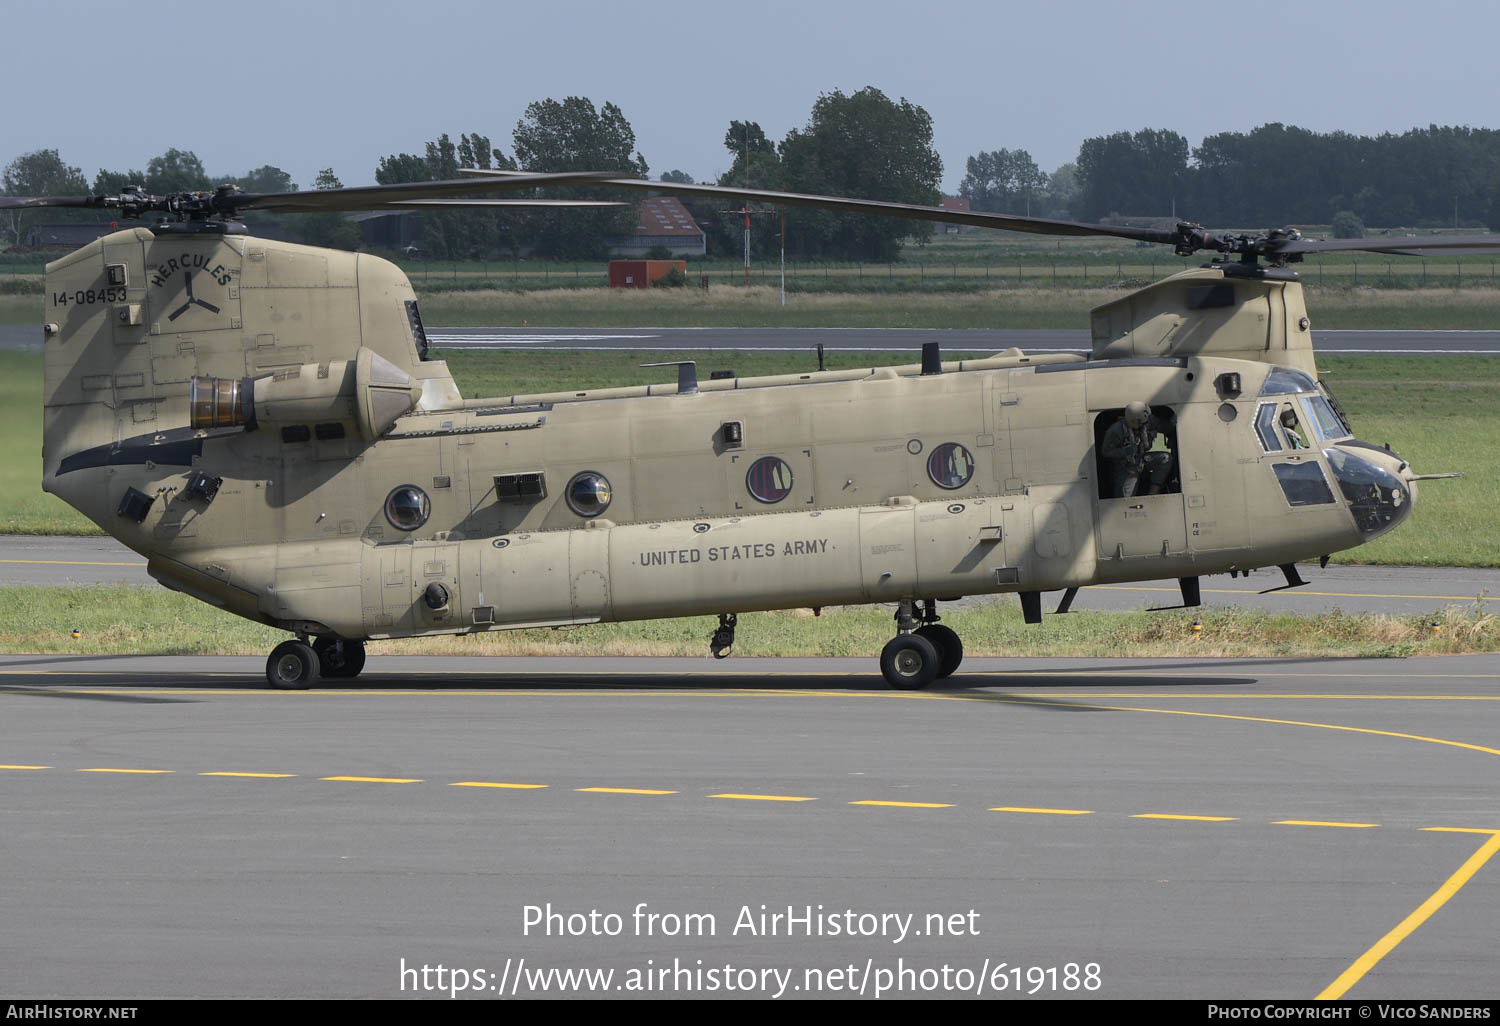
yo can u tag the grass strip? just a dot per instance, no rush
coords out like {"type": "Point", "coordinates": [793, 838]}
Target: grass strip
{"type": "Point", "coordinates": [118, 619]}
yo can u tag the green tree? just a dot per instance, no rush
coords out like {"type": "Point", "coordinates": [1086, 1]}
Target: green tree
{"type": "Point", "coordinates": [1062, 194]}
{"type": "Point", "coordinates": [572, 135]}
{"type": "Point", "coordinates": [749, 148]}
{"type": "Point", "coordinates": [475, 151]}
{"type": "Point", "coordinates": [1005, 181]}
{"type": "Point", "coordinates": [868, 146]}
{"type": "Point", "coordinates": [1347, 225]}
{"type": "Point", "coordinates": [176, 171]}
{"type": "Point", "coordinates": [331, 228]}
{"type": "Point", "coordinates": [454, 234]}
{"type": "Point", "coordinates": [679, 177]}
{"type": "Point", "coordinates": [1132, 173]}
{"type": "Point", "coordinates": [40, 173]}
{"type": "Point", "coordinates": [747, 143]}
{"type": "Point", "coordinates": [110, 183]}
{"type": "Point", "coordinates": [265, 179]}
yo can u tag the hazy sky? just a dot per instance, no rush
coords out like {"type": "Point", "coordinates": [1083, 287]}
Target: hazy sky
{"type": "Point", "coordinates": [340, 83]}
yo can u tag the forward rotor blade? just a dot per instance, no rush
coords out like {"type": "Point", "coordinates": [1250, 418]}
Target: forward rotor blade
{"type": "Point", "coordinates": [13, 202]}
{"type": "Point", "coordinates": [981, 219]}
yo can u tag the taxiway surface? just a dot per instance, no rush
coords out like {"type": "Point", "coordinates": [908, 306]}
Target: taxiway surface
{"type": "Point", "coordinates": [1119, 828]}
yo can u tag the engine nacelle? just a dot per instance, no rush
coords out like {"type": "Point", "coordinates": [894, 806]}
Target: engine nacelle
{"type": "Point", "coordinates": [367, 394]}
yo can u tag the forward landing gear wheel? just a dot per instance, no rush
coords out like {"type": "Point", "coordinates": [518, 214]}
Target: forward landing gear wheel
{"type": "Point", "coordinates": [292, 666]}
{"type": "Point", "coordinates": [909, 662]}
{"type": "Point", "coordinates": [950, 648]}
{"type": "Point", "coordinates": [339, 658]}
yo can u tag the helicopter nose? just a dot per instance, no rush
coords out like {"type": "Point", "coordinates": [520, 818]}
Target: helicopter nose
{"type": "Point", "coordinates": [1376, 483]}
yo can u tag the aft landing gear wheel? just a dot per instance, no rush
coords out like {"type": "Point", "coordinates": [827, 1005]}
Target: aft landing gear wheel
{"type": "Point", "coordinates": [337, 658]}
{"type": "Point", "coordinates": [292, 666]}
{"type": "Point", "coordinates": [950, 648]}
{"type": "Point", "coordinates": [909, 662]}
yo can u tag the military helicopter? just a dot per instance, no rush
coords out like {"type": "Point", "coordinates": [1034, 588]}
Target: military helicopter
{"type": "Point", "coordinates": [265, 423]}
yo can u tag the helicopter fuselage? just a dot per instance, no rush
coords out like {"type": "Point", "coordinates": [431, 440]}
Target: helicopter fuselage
{"type": "Point", "coordinates": [260, 421]}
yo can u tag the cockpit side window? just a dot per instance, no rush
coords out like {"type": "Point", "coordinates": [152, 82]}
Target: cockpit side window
{"type": "Point", "coordinates": [1265, 428]}
{"type": "Point", "coordinates": [1291, 427]}
{"type": "Point", "coordinates": [1327, 422]}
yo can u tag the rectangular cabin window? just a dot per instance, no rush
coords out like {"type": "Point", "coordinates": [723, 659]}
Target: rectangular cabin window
{"type": "Point", "coordinates": [1303, 483]}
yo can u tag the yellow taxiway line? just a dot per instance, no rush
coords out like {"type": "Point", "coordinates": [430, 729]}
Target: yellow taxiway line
{"type": "Point", "coordinates": [497, 783]}
{"type": "Point", "coordinates": [765, 797]}
{"type": "Point", "coordinates": [1044, 812]}
{"type": "Point", "coordinates": [1362, 965]}
{"type": "Point", "coordinates": [258, 776]}
{"type": "Point", "coordinates": [108, 769]}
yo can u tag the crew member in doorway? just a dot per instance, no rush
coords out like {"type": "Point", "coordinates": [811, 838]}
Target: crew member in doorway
{"type": "Point", "coordinates": [1134, 468]}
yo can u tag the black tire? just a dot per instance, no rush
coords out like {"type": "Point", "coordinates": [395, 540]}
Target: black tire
{"type": "Point", "coordinates": [950, 648]}
{"type": "Point", "coordinates": [292, 666]}
{"type": "Point", "coordinates": [909, 662]}
{"type": "Point", "coordinates": [339, 660]}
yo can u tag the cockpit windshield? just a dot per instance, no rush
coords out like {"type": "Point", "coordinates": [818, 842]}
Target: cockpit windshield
{"type": "Point", "coordinates": [1378, 499]}
{"type": "Point", "coordinates": [1283, 380]}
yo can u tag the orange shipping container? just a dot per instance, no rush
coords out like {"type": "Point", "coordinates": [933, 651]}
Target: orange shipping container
{"type": "Point", "coordinates": [637, 274]}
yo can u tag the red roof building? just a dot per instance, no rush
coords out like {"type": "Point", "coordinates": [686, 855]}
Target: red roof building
{"type": "Point", "coordinates": [956, 203]}
{"type": "Point", "coordinates": [662, 221]}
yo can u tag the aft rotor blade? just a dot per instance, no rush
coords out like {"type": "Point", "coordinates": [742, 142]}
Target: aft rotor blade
{"type": "Point", "coordinates": [227, 200]}
{"type": "Point", "coordinates": [1406, 245]}
{"type": "Point", "coordinates": [459, 204]}
{"type": "Point", "coordinates": [372, 197]}
{"type": "Point", "coordinates": [980, 219]}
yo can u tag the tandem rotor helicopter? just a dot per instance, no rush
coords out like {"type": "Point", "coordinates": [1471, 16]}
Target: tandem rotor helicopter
{"type": "Point", "coordinates": [263, 423]}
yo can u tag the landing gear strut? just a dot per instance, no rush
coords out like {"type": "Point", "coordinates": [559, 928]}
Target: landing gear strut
{"type": "Point", "coordinates": [293, 664]}
{"type": "Point", "coordinates": [723, 640]}
{"type": "Point", "coordinates": [339, 658]}
{"type": "Point", "coordinates": [920, 654]}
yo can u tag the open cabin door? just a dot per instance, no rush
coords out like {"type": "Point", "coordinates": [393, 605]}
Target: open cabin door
{"type": "Point", "coordinates": [1140, 505]}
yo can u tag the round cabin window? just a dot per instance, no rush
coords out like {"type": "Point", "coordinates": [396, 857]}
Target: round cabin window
{"type": "Point", "coordinates": [769, 479]}
{"type": "Point", "coordinates": [950, 466]}
{"type": "Point", "coordinates": [588, 493]}
{"type": "Point", "coordinates": [407, 507]}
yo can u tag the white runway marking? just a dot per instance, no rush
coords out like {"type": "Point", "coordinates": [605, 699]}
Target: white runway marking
{"type": "Point", "coordinates": [435, 339]}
